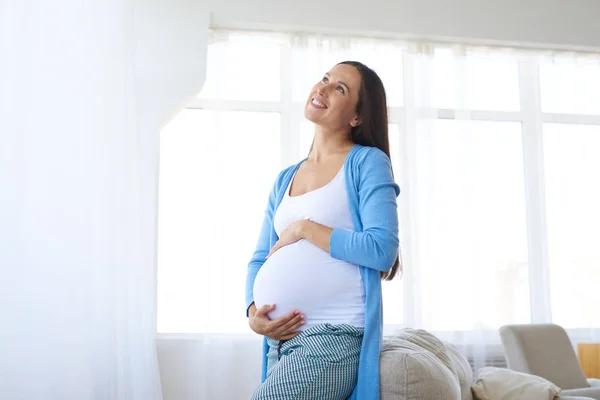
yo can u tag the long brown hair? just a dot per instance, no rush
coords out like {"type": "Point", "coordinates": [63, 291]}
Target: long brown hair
{"type": "Point", "coordinates": [371, 109]}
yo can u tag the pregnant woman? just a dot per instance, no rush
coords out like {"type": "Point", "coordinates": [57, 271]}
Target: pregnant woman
{"type": "Point", "coordinates": [329, 236]}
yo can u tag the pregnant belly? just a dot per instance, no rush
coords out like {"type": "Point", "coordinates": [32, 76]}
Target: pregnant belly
{"type": "Point", "coordinates": [303, 277]}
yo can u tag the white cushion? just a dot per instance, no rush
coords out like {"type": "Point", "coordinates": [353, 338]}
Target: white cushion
{"type": "Point", "coordinates": [594, 382]}
{"type": "Point", "coordinates": [504, 384]}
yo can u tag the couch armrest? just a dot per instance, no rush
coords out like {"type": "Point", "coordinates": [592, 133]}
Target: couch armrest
{"type": "Point", "coordinates": [593, 392]}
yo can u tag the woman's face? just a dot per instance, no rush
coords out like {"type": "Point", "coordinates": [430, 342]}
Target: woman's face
{"type": "Point", "coordinates": [332, 101]}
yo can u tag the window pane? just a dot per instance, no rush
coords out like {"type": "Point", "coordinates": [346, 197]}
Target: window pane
{"type": "Point", "coordinates": [319, 56]}
{"type": "Point", "coordinates": [572, 196]}
{"type": "Point", "coordinates": [243, 68]}
{"type": "Point", "coordinates": [216, 172]}
{"type": "Point", "coordinates": [469, 210]}
{"type": "Point", "coordinates": [570, 87]}
{"type": "Point", "coordinates": [305, 130]}
{"type": "Point", "coordinates": [475, 81]}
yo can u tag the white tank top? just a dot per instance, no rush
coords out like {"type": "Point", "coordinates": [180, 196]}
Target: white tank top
{"type": "Point", "coordinates": [303, 277]}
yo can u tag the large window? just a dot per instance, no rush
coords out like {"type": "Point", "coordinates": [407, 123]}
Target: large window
{"type": "Point", "coordinates": [494, 150]}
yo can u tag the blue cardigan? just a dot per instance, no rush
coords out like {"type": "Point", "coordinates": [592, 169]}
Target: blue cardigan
{"type": "Point", "coordinates": [373, 246]}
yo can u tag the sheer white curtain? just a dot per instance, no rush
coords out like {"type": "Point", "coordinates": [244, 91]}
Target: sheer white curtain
{"type": "Point", "coordinates": [491, 222]}
{"type": "Point", "coordinates": [464, 204]}
{"type": "Point", "coordinates": [78, 163]}
{"type": "Point", "coordinates": [570, 102]}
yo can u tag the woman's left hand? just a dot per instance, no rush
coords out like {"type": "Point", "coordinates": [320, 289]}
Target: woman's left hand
{"type": "Point", "coordinates": [290, 235]}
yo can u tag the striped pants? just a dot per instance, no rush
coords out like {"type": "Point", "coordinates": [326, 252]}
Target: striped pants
{"type": "Point", "coordinates": [319, 364]}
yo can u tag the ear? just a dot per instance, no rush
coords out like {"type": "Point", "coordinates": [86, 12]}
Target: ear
{"type": "Point", "coordinates": [355, 122]}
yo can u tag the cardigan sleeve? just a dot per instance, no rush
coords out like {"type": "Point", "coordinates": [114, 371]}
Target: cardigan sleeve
{"type": "Point", "coordinates": [262, 247]}
{"type": "Point", "coordinates": [376, 246]}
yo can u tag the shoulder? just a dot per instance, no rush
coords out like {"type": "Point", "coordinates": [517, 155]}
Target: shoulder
{"type": "Point", "coordinates": [366, 157]}
{"type": "Point", "coordinates": [372, 168]}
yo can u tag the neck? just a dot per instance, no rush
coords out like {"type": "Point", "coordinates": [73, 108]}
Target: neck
{"type": "Point", "coordinates": [329, 143]}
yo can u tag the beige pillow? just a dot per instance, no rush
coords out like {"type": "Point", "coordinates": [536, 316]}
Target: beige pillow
{"type": "Point", "coordinates": [504, 384]}
{"type": "Point", "coordinates": [414, 366]}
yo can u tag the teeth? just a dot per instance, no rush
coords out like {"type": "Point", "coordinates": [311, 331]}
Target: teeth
{"type": "Point", "coordinates": [315, 102]}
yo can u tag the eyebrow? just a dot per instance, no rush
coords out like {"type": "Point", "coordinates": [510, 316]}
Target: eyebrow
{"type": "Point", "coordinates": [340, 82]}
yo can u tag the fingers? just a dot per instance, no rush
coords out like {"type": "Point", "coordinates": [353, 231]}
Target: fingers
{"type": "Point", "coordinates": [285, 326]}
{"type": "Point", "coordinates": [288, 331]}
{"type": "Point", "coordinates": [265, 310]}
{"type": "Point", "coordinates": [281, 321]}
{"type": "Point", "coordinates": [293, 324]}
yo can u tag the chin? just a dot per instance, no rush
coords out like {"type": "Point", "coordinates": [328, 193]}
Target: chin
{"type": "Point", "coordinates": [310, 116]}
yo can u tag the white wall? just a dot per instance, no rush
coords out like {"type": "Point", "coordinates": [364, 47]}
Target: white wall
{"type": "Point", "coordinates": [220, 367]}
{"type": "Point", "coordinates": [563, 24]}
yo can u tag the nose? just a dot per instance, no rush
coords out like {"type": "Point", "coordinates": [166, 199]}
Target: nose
{"type": "Point", "coordinates": [323, 90]}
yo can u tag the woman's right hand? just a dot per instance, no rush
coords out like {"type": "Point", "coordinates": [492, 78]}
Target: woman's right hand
{"type": "Point", "coordinates": [279, 329]}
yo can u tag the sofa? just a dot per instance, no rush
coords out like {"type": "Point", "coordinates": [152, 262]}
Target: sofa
{"type": "Point", "coordinates": [416, 365]}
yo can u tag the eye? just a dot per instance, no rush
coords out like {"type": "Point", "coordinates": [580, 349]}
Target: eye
{"type": "Point", "coordinates": [340, 89]}
{"type": "Point", "coordinates": [325, 79]}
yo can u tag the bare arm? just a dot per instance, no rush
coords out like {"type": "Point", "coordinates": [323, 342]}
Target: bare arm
{"type": "Point", "coordinates": [317, 234]}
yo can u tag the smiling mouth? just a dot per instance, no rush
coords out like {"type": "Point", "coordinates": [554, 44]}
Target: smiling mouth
{"type": "Point", "coordinates": [318, 104]}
